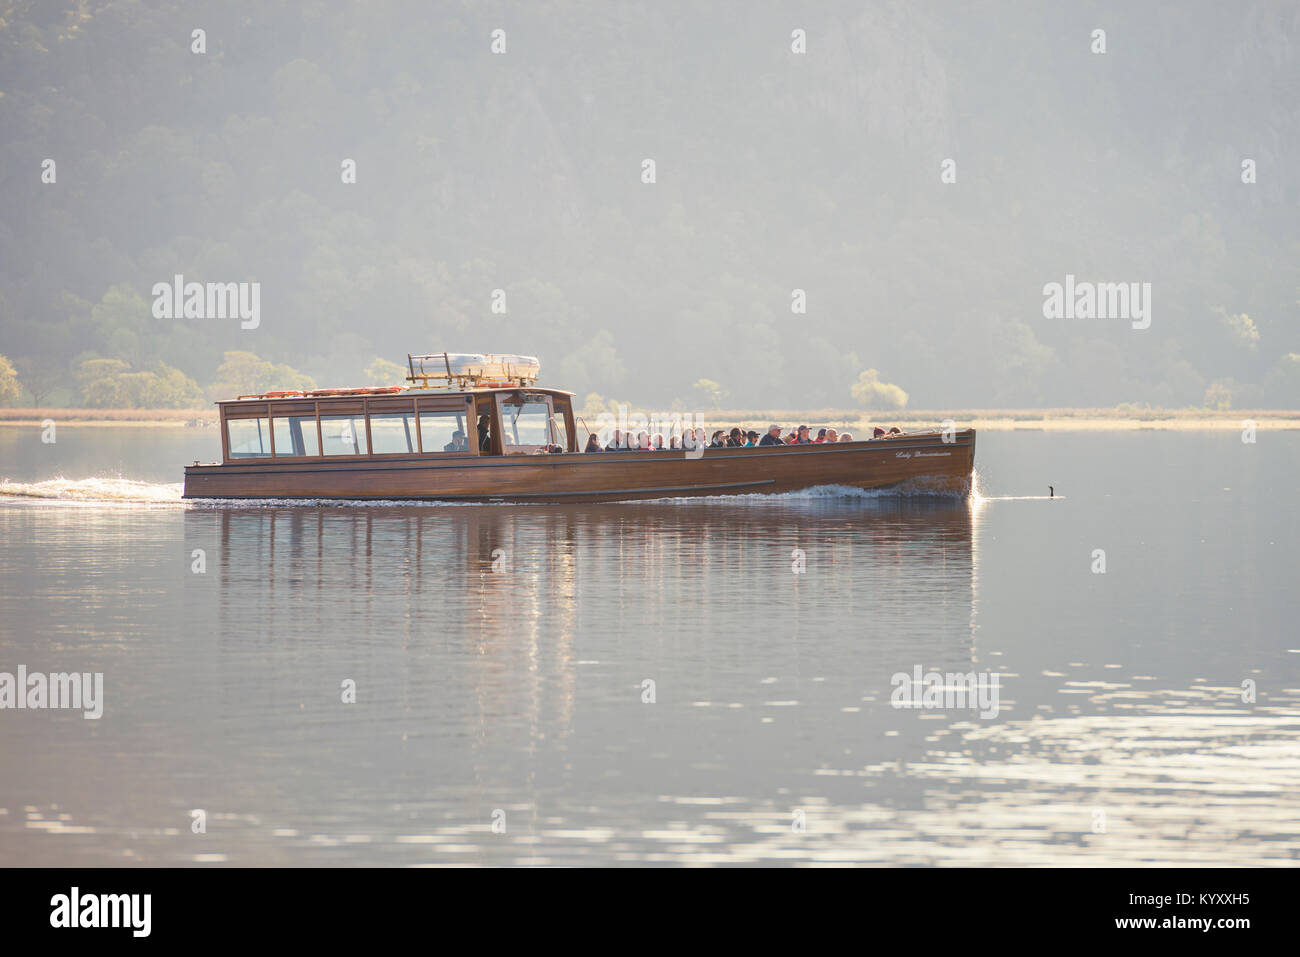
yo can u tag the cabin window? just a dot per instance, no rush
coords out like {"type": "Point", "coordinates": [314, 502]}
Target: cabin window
{"type": "Point", "coordinates": [249, 438]}
{"type": "Point", "coordinates": [527, 424]}
{"type": "Point", "coordinates": [444, 432]}
{"type": "Point", "coordinates": [391, 433]}
{"type": "Point", "coordinates": [343, 434]}
{"type": "Point", "coordinates": [295, 435]}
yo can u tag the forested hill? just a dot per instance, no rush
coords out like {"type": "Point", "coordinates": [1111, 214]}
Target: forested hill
{"type": "Point", "coordinates": [775, 170]}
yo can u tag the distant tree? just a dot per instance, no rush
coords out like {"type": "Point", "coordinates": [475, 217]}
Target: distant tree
{"type": "Point", "coordinates": [1241, 328]}
{"type": "Point", "coordinates": [10, 390]}
{"type": "Point", "coordinates": [593, 404]}
{"type": "Point", "coordinates": [246, 373]}
{"type": "Point", "coordinates": [40, 376]}
{"type": "Point", "coordinates": [100, 385]}
{"type": "Point", "coordinates": [593, 364]}
{"type": "Point", "coordinates": [121, 318]}
{"type": "Point", "coordinates": [1282, 384]}
{"type": "Point", "coordinates": [383, 372]}
{"type": "Point", "coordinates": [871, 393]}
{"type": "Point", "coordinates": [164, 387]}
{"type": "Point", "coordinates": [710, 391]}
{"type": "Point", "coordinates": [1218, 396]}
{"type": "Point", "coordinates": [110, 384]}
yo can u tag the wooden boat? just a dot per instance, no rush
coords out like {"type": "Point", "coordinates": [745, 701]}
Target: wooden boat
{"type": "Point", "coordinates": [490, 434]}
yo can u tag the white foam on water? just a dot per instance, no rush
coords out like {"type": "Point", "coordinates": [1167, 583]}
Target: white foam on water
{"type": "Point", "coordinates": [94, 491]}
{"type": "Point", "coordinates": [127, 492]}
{"type": "Point", "coordinates": [818, 493]}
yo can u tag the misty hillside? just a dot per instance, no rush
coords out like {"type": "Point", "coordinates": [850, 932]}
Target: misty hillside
{"type": "Point", "coordinates": [775, 171]}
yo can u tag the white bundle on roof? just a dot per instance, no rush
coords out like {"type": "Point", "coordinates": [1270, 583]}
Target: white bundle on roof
{"type": "Point", "coordinates": [473, 365]}
{"type": "Point", "coordinates": [494, 366]}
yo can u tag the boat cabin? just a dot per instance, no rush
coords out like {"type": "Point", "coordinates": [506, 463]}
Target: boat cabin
{"type": "Point", "coordinates": [482, 410]}
{"type": "Point", "coordinates": [478, 428]}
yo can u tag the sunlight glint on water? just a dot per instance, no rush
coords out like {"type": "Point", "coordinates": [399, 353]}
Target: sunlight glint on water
{"type": "Point", "coordinates": [500, 654]}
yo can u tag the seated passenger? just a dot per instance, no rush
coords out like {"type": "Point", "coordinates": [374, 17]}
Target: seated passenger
{"type": "Point", "coordinates": [831, 435]}
{"type": "Point", "coordinates": [773, 436]}
{"type": "Point", "coordinates": [615, 443]}
{"type": "Point", "coordinates": [751, 439]}
{"type": "Point", "coordinates": [846, 437]}
{"type": "Point", "coordinates": [735, 439]}
{"type": "Point", "coordinates": [719, 440]}
{"type": "Point", "coordinates": [593, 443]}
{"type": "Point", "coordinates": [802, 437]}
{"type": "Point", "coordinates": [458, 442]}
{"type": "Point", "coordinates": [657, 442]}
{"type": "Point", "coordinates": [895, 430]}
{"type": "Point", "coordinates": [643, 441]}
{"type": "Point", "coordinates": [877, 433]}
{"type": "Point", "coordinates": [674, 441]}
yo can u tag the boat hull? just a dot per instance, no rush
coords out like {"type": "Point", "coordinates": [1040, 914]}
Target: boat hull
{"type": "Point", "coordinates": [921, 463]}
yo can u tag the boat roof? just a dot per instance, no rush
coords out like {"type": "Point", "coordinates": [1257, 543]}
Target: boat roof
{"type": "Point", "coordinates": [396, 392]}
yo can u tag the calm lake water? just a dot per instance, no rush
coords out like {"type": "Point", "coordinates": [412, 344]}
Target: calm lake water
{"type": "Point", "coordinates": [501, 657]}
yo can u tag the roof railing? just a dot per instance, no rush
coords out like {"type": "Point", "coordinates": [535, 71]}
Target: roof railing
{"type": "Point", "coordinates": [322, 393]}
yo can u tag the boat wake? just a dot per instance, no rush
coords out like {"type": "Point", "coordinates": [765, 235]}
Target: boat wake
{"type": "Point", "coordinates": [121, 491]}
{"type": "Point", "coordinates": [823, 494]}
{"type": "Point", "coordinates": [94, 491]}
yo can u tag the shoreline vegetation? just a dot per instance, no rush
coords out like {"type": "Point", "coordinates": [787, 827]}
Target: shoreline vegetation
{"type": "Point", "coordinates": [856, 421]}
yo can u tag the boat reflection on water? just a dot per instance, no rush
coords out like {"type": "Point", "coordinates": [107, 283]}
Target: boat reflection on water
{"type": "Point", "coordinates": [503, 577]}
{"type": "Point", "coordinates": [509, 626]}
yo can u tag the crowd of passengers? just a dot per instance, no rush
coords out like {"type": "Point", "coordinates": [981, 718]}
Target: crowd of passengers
{"type": "Point", "coordinates": [721, 439]}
